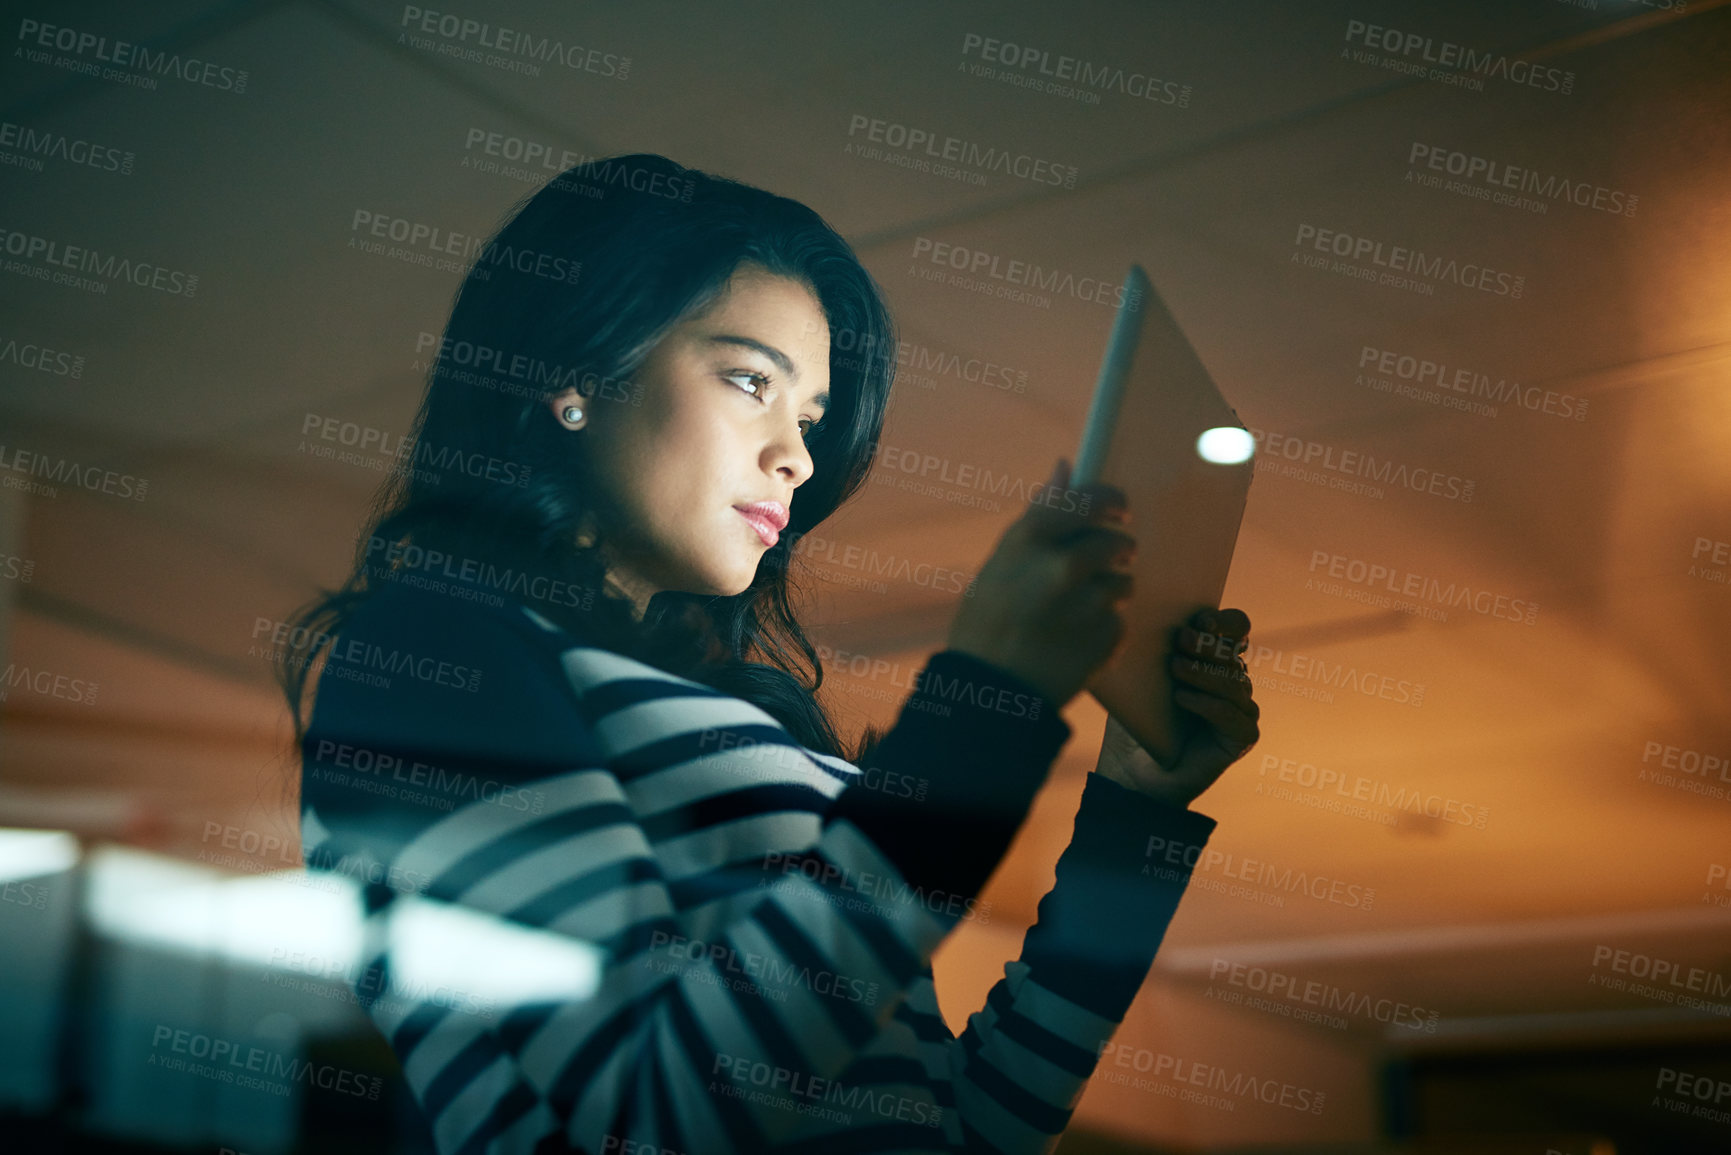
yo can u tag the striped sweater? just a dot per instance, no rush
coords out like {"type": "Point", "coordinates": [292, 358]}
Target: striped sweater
{"type": "Point", "coordinates": [760, 917]}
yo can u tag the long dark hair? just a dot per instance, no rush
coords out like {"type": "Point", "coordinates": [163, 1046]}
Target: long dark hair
{"type": "Point", "coordinates": [582, 280]}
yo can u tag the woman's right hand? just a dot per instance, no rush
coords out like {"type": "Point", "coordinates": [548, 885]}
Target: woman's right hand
{"type": "Point", "coordinates": [1044, 607]}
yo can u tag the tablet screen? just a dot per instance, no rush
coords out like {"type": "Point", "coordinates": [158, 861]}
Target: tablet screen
{"type": "Point", "coordinates": [1186, 509]}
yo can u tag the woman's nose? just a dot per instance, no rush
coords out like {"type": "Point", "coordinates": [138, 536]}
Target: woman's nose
{"type": "Point", "coordinates": [791, 456]}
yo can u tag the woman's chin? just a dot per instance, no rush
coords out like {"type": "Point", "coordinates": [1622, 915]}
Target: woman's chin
{"type": "Point", "coordinates": [731, 582]}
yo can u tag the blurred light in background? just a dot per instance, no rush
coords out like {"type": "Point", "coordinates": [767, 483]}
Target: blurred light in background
{"type": "Point", "coordinates": [1225, 445]}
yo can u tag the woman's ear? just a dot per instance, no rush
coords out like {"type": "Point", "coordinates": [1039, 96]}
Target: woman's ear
{"type": "Point", "coordinates": [569, 408]}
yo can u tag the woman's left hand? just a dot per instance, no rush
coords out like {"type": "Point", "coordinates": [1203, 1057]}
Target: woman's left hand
{"type": "Point", "coordinates": [1213, 685]}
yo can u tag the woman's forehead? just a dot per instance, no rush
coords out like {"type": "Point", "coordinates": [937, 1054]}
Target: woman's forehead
{"type": "Point", "coordinates": [779, 316]}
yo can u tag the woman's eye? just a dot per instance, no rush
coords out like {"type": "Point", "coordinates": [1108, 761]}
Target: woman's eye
{"type": "Point", "coordinates": [756, 379]}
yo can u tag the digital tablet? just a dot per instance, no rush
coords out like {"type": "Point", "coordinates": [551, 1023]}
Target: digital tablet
{"type": "Point", "coordinates": [1158, 429]}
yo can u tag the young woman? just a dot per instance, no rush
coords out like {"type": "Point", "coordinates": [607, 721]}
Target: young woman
{"type": "Point", "coordinates": [564, 690]}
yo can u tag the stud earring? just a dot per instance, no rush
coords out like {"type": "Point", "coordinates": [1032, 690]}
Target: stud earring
{"type": "Point", "coordinates": [573, 415]}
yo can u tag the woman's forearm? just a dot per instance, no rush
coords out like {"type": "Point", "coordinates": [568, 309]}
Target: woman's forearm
{"type": "Point", "coordinates": [1118, 885]}
{"type": "Point", "coordinates": [980, 741]}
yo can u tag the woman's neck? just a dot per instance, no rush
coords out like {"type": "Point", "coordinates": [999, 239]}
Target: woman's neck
{"type": "Point", "coordinates": [626, 587]}
{"type": "Point", "coordinates": [619, 578]}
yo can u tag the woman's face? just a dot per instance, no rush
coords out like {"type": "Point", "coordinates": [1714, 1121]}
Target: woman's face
{"type": "Point", "coordinates": [727, 400]}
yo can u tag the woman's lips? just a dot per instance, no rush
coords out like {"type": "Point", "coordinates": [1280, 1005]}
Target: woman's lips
{"type": "Point", "coordinates": [764, 527]}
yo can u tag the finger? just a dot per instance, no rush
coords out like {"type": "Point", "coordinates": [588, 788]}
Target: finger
{"type": "Point", "coordinates": [1211, 646]}
{"type": "Point", "coordinates": [1101, 501]}
{"type": "Point", "coordinates": [1233, 623]}
{"type": "Point", "coordinates": [1057, 509]}
{"type": "Point", "coordinates": [1226, 676]}
{"type": "Point", "coordinates": [1113, 586]}
{"type": "Point", "coordinates": [1087, 506]}
{"type": "Point", "coordinates": [1233, 726]}
{"type": "Point", "coordinates": [1220, 634]}
{"type": "Point", "coordinates": [1225, 680]}
{"type": "Point", "coordinates": [1207, 671]}
{"type": "Point", "coordinates": [1097, 548]}
{"type": "Point", "coordinates": [1045, 513]}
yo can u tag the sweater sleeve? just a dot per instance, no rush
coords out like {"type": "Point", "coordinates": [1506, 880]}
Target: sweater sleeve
{"type": "Point", "coordinates": [982, 741]}
{"type": "Point", "coordinates": [1024, 1059]}
{"type": "Point", "coordinates": [655, 1054]}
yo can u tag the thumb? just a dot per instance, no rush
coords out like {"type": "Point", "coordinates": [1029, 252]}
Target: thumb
{"type": "Point", "coordinates": [1045, 516]}
{"type": "Point", "coordinates": [1058, 482]}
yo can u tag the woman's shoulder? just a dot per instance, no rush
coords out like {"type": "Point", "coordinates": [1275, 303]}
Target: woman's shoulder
{"type": "Point", "coordinates": [411, 670]}
{"type": "Point", "coordinates": [456, 615]}
{"type": "Point", "coordinates": [485, 674]}
{"type": "Point", "coordinates": [423, 708]}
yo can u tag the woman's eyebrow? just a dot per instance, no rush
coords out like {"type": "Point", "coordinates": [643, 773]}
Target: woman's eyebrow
{"type": "Point", "coordinates": [770, 351]}
{"type": "Point", "coordinates": [776, 355]}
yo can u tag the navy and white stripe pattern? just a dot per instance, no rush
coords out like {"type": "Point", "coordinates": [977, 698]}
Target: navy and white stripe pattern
{"type": "Point", "coordinates": [764, 962]}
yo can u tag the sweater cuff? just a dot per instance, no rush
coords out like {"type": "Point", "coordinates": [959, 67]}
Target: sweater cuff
{"type": "Point", "coordinates": [1118, 887]}
{"type": "Point", "coordinates": [951, 783]}
{"type": "Point", "coordinates": [1127, 829]}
